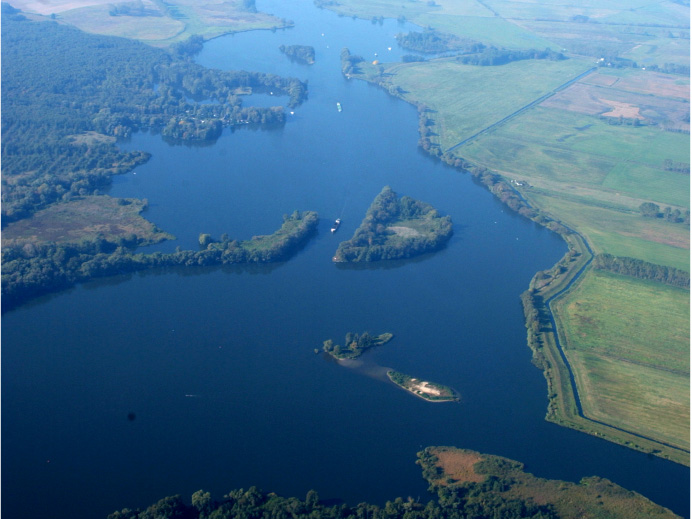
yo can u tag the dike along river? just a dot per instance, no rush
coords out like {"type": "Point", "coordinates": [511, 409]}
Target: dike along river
{"type": "Point", "coordinates": [123, 391]}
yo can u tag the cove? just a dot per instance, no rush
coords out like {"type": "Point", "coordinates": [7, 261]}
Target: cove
{"type": "Point", "coordinates": [125, 390]}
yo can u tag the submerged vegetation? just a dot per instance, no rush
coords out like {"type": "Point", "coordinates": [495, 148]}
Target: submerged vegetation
{"type": "Point", "coordinates": [355, 345]}
{"type": "Point", "coordinates": [396, 228]}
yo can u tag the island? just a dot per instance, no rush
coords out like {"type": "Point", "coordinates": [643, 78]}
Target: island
{"type": "Point", "coordinates": [300, 53]}
{"type": "Point", "coordinates": [395, 228]}
{"type": "Point", "coordinates": [430, 391]}
{"type": "Point", "coordinates": [355, 344]}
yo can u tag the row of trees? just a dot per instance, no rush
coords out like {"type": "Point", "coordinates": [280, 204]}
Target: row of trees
{"type": "Point", "coordinates": [492, 56]}
{"type": "Point", "coordinates": [642, 270]}
{"type": "Point", "coordinates": [31, 271]}
{"type": "Point", "coordinates": [470, 501]}
{"type": "Point", "coordinates": [59, 82]}
{"type": "Point", "coordinates": [374, 241]}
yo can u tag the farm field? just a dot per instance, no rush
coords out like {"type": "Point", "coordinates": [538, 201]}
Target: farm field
{"type": "Point", "coordinates": [153, 21]}
{"type": "Point", "coordinates": [631, 372]}
{"type": "Point", "coordinates": [461, 107]}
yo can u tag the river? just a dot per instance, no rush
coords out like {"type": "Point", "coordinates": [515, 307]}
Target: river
{"type": "Point", "coordinates": [125, 390]}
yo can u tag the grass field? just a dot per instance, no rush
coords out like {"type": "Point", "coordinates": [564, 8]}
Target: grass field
{"type": "Point", "coordinates": [631, 372]}
{"type": "Point", "coordinates": [157, 22]}
{"type": "Point", "coordinates": [461, 107]}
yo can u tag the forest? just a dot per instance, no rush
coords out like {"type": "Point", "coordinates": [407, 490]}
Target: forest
{"type": "Point", "coordinates": [300, 53]}
{"type": "Point", "coordinates": [59, 83]}
{"type": "Point", "coordinates": [32, 270]}
{"type": "Point", "coordinates": [396, 228]}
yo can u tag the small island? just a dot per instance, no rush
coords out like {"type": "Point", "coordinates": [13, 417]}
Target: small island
{"type": "Point", "coordinates": [395, 228]}
{"type": "Point", "coordinates": [355, 344]}
{"type": "Point", "coordinates": [301, 53]}
{"type": "Point", "coordinates": [429, 391]}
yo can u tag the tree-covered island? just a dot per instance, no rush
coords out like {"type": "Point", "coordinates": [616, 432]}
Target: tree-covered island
{"type": "Point", "coordinates": [430, 391]}
{"type": "Point", "coordinates": [300, 53]}
{"type": "Point", "coordinates": [396, 228]}
{"type": "Point", "coordinates": [355, 344]}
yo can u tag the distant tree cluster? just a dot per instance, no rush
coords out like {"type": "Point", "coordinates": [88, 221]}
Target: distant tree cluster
{"type": "Point", "coordinates": [355, 344]}
{"type": "Point", "coordinates": [642, 270]}
{"type": "Point", "coordinates": [375, 240]}
{"type": "Point", "coordinates": [300, 53]}
{"type": "Point", "coordinates": [33, 269]}
{"type": "Point", "coordinates": [431, 41]}
{"type": "Point", "coordinates": [349, 62]}
{"type": "Point", "coordinates": [651, 210]}
{"type": "Point", "coordinates": [677, 167]}
{"type": "Point", "coordinates": [492, 56]}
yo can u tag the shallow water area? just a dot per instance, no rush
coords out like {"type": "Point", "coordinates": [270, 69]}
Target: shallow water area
{"type": "Point", "coordinates": [125, 390]}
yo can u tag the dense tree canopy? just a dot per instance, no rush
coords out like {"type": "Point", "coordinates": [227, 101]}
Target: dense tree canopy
{"type": "Point", "coordinates": [396, 228]}
{"type": "Point", "coordinates": [59, 83]}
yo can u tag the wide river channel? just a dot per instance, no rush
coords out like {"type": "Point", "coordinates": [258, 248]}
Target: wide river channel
{"type": "Point", "coordinates": [122, 391]}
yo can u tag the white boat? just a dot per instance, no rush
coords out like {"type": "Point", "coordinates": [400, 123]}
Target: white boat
{"type": "Point", "coordinates": [337, 222]}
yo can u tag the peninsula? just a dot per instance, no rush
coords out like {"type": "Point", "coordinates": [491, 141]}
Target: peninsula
{"type": "Point", "coordinates": [395, 228]}
{"type": "Point", "coordinates": [355, 344]}
{"type": "Point", "coordinates": [430, 391]}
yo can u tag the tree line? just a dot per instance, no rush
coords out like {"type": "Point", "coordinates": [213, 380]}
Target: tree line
{"type": "Point", "coordinates": [59, 82]}
{"type": "Point", "coordinates": [642, 270]}
{"type": "Point", "coordinates": [431, 41]}
{"type": "Point", "coordinates": [469, 501]}
{"type": "Point", "coordinates": [35, 269]}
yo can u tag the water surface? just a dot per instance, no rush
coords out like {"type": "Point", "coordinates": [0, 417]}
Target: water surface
{"type": "Point", "coordinates": [125, 390]}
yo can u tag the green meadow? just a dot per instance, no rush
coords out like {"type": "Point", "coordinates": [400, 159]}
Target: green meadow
{"type": "Point", "coordinates": [465, 99]}
{"type": "Point", "coordinates": [631, 371]}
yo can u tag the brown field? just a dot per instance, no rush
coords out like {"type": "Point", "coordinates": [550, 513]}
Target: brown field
{"type": "Point", "coordinates": [85, 218]}
{"type": "Point", "coordinates": [458, 465]}
{"type": "Point", "coordinates": [592, 497]}
{"type": "Point", "coordinates": [656, 99]}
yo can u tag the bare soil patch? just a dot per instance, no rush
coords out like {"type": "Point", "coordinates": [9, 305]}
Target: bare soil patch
{"type": "Point", "coordinates": [404, 232]}
{"type": "Point", "coordinates": [458, 465]}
